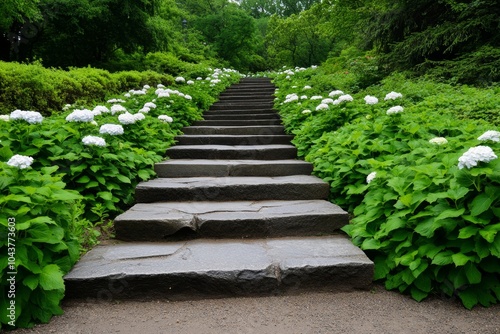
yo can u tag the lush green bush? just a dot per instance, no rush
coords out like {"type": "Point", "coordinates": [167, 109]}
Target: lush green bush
{"type": "Point", "coordinates": [429, 226]}
{"type": "Point", "coordinates": [86, 164]}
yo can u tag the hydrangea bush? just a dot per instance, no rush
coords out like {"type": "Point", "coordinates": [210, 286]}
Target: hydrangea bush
{"type": "Point", "coordinates": [421, 178]}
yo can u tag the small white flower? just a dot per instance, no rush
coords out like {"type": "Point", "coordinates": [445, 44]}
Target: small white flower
{"type": "Point", "coordinates": [371, 176]}
{"type": "Point", "coordinates": [344, 98]}
{"type": "Point", "coordinates": [111, 129]}
{"type": "Point", "coordinates": [31, 117]}
{"type": "Point", "coordinates": [81, 115]}
{"type": "Point", "coordinates": [66, 107]}
{"type": "Point", "coordinates": [393, 96]}
{"type": "Point", "coordinates": [190, 82]}
{"type": "Point", "coordinates": [291, 98]}
{"type": "Point", "coordinates": [94, 123]}
{"type": "Point", "coordinates": [163, 93]}
{"type": "Point", "coordinates": [316, 97]}
{"type": "Point", "coordinates": [188, 97]}
{"type": "Point", "coordinates": [146, 87]}
{"type": "Point", "coordinates": [127, 118]}
{"type": "Point", "coordinates": [144, 110]}
{"type": "Point", "coordinates": [490, 135]}
{"type": "Point", "coordinates": [150, 105]}
{"type": "Point", "coordinates": [307, 111]}
{"type": "Point", "coordinates": [139, 117]}
{"type": "Point", "coordinates": [127, 95]}
{"type": "Point", "coordinates": [335, 93]}
{"type": "Point", "coordinates": [99, 110]}
{"type": "Point", "coordinates": [307, 87]}
{"type": "Point", "coordinates": [180, 80]}
{"type": "Point", "coordinates": [116, 101]}
{"type": "Point", "coordinates": [327, 101]}
{"type": "Point", "coordinates": [394, 110]}
{"type": "Point", "coordinates": [165, 118]}
{"type": "Point", "coordinates": [138, 92]}
{"type": "Point", "coordinates": [160, 86]}
{"type": "Point", "coordinates": [20, 161]}
{"type": "Point", "coordinates": [474, 155]}
{"type": "Point", "coordinates": [4, 118]}
{"type": "Point", "coordinates": [322, 106]}
{"type": "Point", "coordinates": [199, 78]}
{"type": "Point", "coordinates": [117, 108]}
{"type": "Point", "coordinates": [304, 97]}
{"type": "Point", "coordinates": [314, 67]}
{"type": "Point", "coordinates": [371, 99]}
{"type": "Point", "coordinates": [438, 141]}
{"type": "Point", "coordinates": [93, 141]}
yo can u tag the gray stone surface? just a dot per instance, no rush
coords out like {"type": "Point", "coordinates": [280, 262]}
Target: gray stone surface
{"type": "Point", "coordinates": [295, 187]}
{"type": "Point", "coordinates": [219, 268]}
{"type": "Point", "coordinates": [233, 139]}
{"type": "Point", "coordinates": [255, 152]}
{"type": "Point", "coordinates": [235, 111]}
{"type": "Point", "coordinates": [234, 130]}
{"type": "Point", "coordinates": [231, 122]}
{"type": "Point", "coordinates": [240, 105]}
{"type": "Point", "coordinates": [201, 167]}
{"type": "Point", "coordinates": [219, 116]}
{"type": "Point", "coordinates": [158, 221]}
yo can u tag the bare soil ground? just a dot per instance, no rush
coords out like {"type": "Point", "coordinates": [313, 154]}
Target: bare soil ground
{"type": "Point", "coordinates": [375, 311]}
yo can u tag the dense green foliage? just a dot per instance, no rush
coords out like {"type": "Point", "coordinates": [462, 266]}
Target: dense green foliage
{"type": "Point", "coordinates": [73, 186]}
{"type": "Point", "coordinates": [430, 226]}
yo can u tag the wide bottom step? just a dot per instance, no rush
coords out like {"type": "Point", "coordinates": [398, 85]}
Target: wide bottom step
{"type": "Point", "coordinates": [200, 268]}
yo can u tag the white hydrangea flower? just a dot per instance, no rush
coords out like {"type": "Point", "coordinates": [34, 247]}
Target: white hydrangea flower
{"type": "Point", "coordinates": [81, 115]}
{"type": "Point", "coordinates": [165, 118]}
{"type": "Point", "coordinates": [314, 67]}
{"type": "Point", "coordinates": [304, 97]}
{"type": "Point", "coordinates": [316, 97]}
{"type": "Point", "coordinates": [138, 92]}
{"type": "Point", "coordinates": [395, 110]}
{"type": "Point", "coordinates": [111, 129]}
{"type": "Point", "coordinates": [5, 118]}
{"type": "Point", "coordinates": [180, 80]}
{"type": "Point", "coordinates": [322, 106]}
{"type": "Point", "coordinates": [188, 97]}
{"type": "Point", "coordinates": [393, 96]}
{"type": "Point", "coordinates": [99, 110]}
{"type": "Point", "coordinates": [291, 98]}
{"type": "Point", "coordinates": [66, 107]}
{"type": "Point", "coordinates": [190, 82]}
{"type": "Point", "coordinates": [163, 93]}
{"type": "Point", "coordinates": [20, 161]}
{"type": "Point", "coordinates": [307, 87]}
{"type": "Point", "coordinates": [438, 141]}
{"type": "Point", "coordinates": [144, 110]}
{"type": "Point", "coordinates": [93, 141]}
{"type": "Point", "coordinates": [127, 95]}
{"type": "Point", "coordinates": [371, 176]}
{"type": "Point", "coordinates": [199, 78]}
{"type": "Point", "coordinates": [474, 155]}
{"type": "Point", "coordinates": [116, 101]}
{"type": "Point", "coordinates": [127, 118]}
{"type": "Point", "coordinates": [31, 117]}
{"type": "Point", "coordinates": [160, 86]}
{"type": "Point", "coordinates": [490, 135]}
{"type": "Point", "coordinates": [335, 93]}
{"type": "Point", "coordinates": [215, 81]}
{"type": "Point", "coordinates": [139, 116]}
{"type": "Point", "coordinates": [146, 87]}
{"type": "Point", "coordinates": [327, 101]}
{"type": "Point", "coordinates": [344, 98]}
{"type": "Point", "coordinates": [371, 99]}
{"type": "Point", "coordinates": [117, 108]}
{"type": "Point", "coordinates": [307, 111]}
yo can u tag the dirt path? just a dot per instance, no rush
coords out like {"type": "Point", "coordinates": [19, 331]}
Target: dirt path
{"type": "Point", "coordinates": [376, 311]}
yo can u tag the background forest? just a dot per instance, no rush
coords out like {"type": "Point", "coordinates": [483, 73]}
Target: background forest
{"type": "Point", "coordinates": [455, 40]}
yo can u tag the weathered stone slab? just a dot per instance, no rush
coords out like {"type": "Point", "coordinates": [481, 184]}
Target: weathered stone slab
{"type": "Point", "coordinates": [236, 112]}
{"type": "Point", "coordinates": [234, 130]}
{"type": "Point", "coordinates": [254, 152]}
{"type": "Point", "coordinates": [158, 221]}
{"type": "Point", "coordinates": [295, 187]}
{"type": "Point", "coordinates": [218, 116]}
{"type": "Point", "coordinates": [202, 167]}
{"type": "Point", "coordinates": [241, 106]}
{"type": "Point", "coordinates": [233, 139]}
{"type": "Point", "coordinates": [246, 122]}
{"type": "Point", "coordinates": [182, 270]}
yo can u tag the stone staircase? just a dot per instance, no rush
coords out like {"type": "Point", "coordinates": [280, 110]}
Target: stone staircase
{"type": "Point", "coordinates": [232, 212]}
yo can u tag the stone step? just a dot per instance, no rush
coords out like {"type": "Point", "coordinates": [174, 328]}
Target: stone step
{"type": "Point", "coordinates": [216, 268]}
{"type": "Point", "coordinates": [241, 106]}
{"type": "Point", "coordinates": [220, 122]}
{"type": "Point", "coordinates": [253, 152]}
{"type": "Point", "coordinates": [240, 112]}
{"type": "Point", "coordinates": [222, 168]}
{"type": "Point", "coordinates": [233, 188]}
{"type": "Point", "coordinates": [225, 116]}
{"type": "Point", "coordinates": [246, 98]}
{"type": "Point", "coordinates": [248, 91]}
{"type": "Point", "coordinates": [235, 219]}
{"type": "Point", "coordinates": [234, 130]}
{"type": "Point", "coordinates": [233, 139]}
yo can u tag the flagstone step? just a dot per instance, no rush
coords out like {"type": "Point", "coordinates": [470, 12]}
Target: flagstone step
{"type": "Point", "coordinates": [201, 167]}
{"type": "Point", "coordinates": [237, 122]}
{"type": "Point", "coordinates": [240, 112]}
{"type": "Point", "coordinates": [215, 268]}
{"type": "Point", "coordinates": [253, 152]}
{"type": "Point", "coordinates": [245, 90]}
{"type": "Point", "coordinates": [234, 130]}
{"type": "Point", "coordinates": [241, 106]}
{"type": "Point", "coordinates": [234, 219]}
{"type": "Point", "coordinates": [224, 116]}
{"type": "Point", "coordinates": [233, 139]}
{"type": "Point", "coordinates": [234, 188]}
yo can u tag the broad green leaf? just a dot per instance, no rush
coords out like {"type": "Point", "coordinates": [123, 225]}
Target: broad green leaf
{"type": "Point", "coordinates": [83, 179]}
{"type": "Point", "coordinates": [472, 273]}
{"type": "Point", "coordinates": [123, 178]}
{"type": "Point", "coordinates": [480, 204]}
{"type": "Point", "coordinates": [424, 283]}
{"type": "Point", "coordinates": [469, 298]}
{"type": "Point", "coordinates": [417, 294]}
{"type": "Point", "coordinates": [51, 278]}
{"type": "Point", "coordinates": [443, 258]}
{"type": "Point", "coordinates": [31, 281]}
{"type": "Point", "coordinates": [468, 232]}
{"type": "Point", "coordinates": [460, 259]}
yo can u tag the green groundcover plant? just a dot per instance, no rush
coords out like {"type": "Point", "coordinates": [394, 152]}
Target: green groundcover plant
{"type": "Point", "coordinates": [63, 175]}
{"type": "Point", "coordinates": [416, 164]}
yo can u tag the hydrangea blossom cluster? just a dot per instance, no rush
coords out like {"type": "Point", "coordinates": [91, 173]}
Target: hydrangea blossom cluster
{"type": "Point", "coordinates": [128, 118]}
{"type": "Point", "coordinates": [370, 177]}
{"type": "Point", "coordinates": [343, 98]}
{"type": "Point", "coordinates": [438, 141]}
{"type": "Point", "coordinates": [335, 93]}
{"type": "Point", "coordinates": [291, 98]}
{"type": "Point", "coordinates": [144, 110]}
{"type": "Point", "coordinates": [393, 96]}
{"type": "Point", "coordinates": [307, 87]}
{"type": "Point", "coordinates": [81, 115]}
{"type": "Point", "coordinates": [20, 161]}
{"type": "Point", "coordinates": [98, 110]}
{"type": "Point", "coordinates": [31, 117]}
{"type": "Point", "coordinates": [111, 129]}
{"type": "Point", "coordinates": [190, 82]}
{"type": "Point", "coordinates": [307, 111]}
{"type": "Point", "coordinates": [395, 110]}
{"type": "Point", "coordinates": [165, 118]}
{"type": "Point", "coordinates": [150, 105]}
{"type": "Point", "coordinates": [474, 155]}
{"type": "Point", "coordinates": [316, 97]}
{"type": "Point", "coordinates": [303, 97]}
{"type": "Point", "coordinates": [66, 107]}
{"type": "Point", "coordinates": [93, 141]}
{"type": "Point", "coordinates": [116, 101]}
{"type": "Point", "coordinates": [327, 101]}
{"type": "Point", "coordinates": [180, 80]}
{"type": "Point", "coordinates": [5, 118]}
{"type": "Point", "coordinates": [117, 108]}
{"type": "Point", "coordinates": [490, 135]}
{"type": "Point", "coordinates": [322, 106]}
{"type": "Point", "coordinates": [371, 99]}
{"type": "Point", "coordinates": [138, 92]}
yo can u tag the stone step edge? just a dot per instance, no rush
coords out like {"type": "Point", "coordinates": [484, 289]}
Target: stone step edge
{"type": "Point", "coordinates": [203, 268]}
